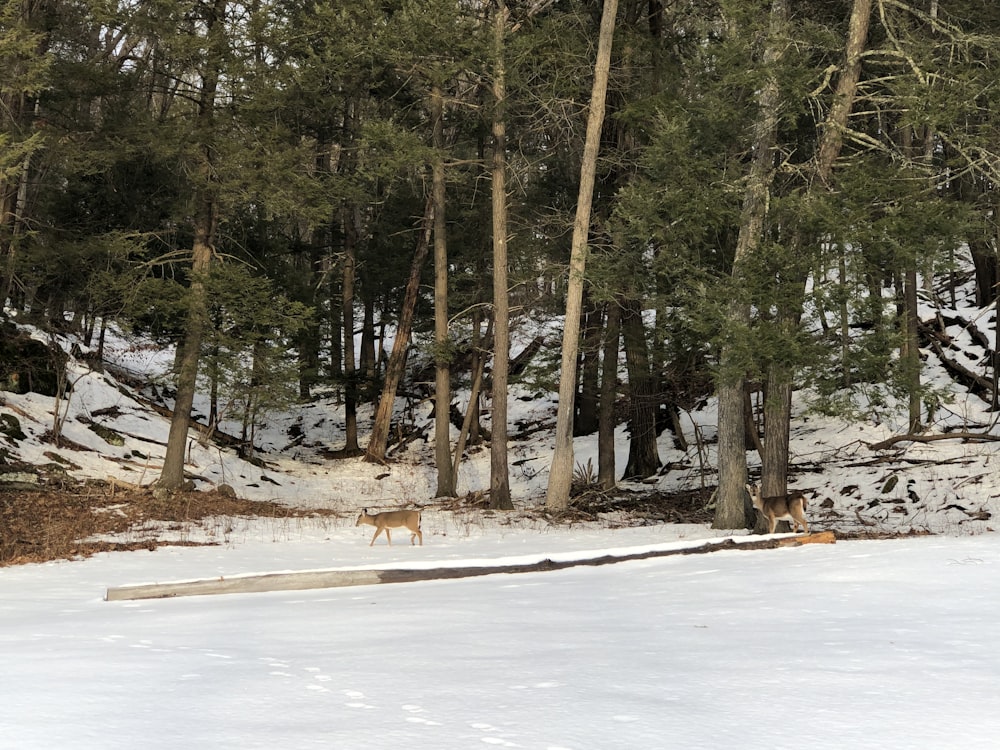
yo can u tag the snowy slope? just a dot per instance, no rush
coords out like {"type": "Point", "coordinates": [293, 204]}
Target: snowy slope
{"type": "Point", "coordinates": [861, 644]}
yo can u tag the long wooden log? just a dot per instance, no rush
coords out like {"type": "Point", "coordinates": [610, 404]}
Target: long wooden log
{"type": "Point", "coordinates": [321, 579]}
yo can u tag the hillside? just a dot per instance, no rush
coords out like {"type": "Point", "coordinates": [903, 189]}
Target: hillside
{"type": "Point", "coordinates": [90, 491]}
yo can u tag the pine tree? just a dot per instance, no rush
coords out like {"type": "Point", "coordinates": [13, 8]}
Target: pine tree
{"type": "Point", "coordinates": [26, 68]}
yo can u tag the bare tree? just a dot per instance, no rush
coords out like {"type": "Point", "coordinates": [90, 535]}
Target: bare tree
{"type": "Point", "coordinates": [442, 343]}
{"type": "Point", "coordinates": [499, 473]}
{"type": "Point", "coordinates": [561, 471]}
{"type": "Point", "coordinates": [379, 438]}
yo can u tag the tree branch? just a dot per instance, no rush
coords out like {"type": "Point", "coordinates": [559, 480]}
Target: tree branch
{"type": "Point", "coordinates": [974, 436]}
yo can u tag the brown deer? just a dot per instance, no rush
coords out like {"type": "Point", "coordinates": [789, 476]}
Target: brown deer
{"type": "Point", "coordinates": [393, 519]}
{"type": "Point", "coordinates": [790, 507]}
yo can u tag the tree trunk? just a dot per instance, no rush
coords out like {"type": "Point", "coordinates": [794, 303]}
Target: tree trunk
{"type": "Point", "coordinates": [480, 355]}
{"type": "Point", "coordinates": [643, 456]}
{"type": "Point", "coordinates": [347, 300]}
{"type": "Point", "coordinates": [350, 222]}
{"type": "Point", "coordinates": [206, 219]}
{"type": "Point", "coordinates": [315, 262]}
{"type": "Point", "coordinates": [469, 427]}
{"type": "Point", "coordinates": [214, 373]}
{"type": "Point", "coordinates": [777, 405]}
{"type": "Point", "coordinates": [730, 511]}
{"type": "Point", "coordinates": [910, 353]}
{"type": "Point", "coordinates": [307, 348]}
{"type": "Point", "coordinates": [442, 341]}
{"type": "Point", "coordinates": [378, 441]}
{"type": "Point", "coordinates": [172, 475]}
{"type": "Point", "coordinates": [561, 470]}
{"type": "Point", "coordinates": [609, 392]}
{"type": "Point", "coordinates": [499, 470]}
{"type": "Point", "coordinates": [14, 205]}
{"type": "Point", "coordinates": [995, 359]}
{"type": "Point", "coordinates": [369, 362]}
{"type": "Point", "coordinates": [984, 260]}
{"type": "Point", "coordinates": [590, 359]}
{"type": "Point", "coordinates": [336, 347]}
{"type": "Point", "coordinates": [774, 474]}
{"type": "Point", "coordinates": [835, 125]}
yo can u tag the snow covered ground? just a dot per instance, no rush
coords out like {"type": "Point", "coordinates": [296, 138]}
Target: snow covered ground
{"type": "Point", "coordinates": [863, 644]}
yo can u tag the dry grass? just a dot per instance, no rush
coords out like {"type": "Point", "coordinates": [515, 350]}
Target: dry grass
{"type": "Point", "coordinates": [38, 525]}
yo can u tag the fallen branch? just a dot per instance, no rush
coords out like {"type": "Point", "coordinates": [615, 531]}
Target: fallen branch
{"type": "Point", "coordinates": [322, 579]}
{"type": "Point", "coordinates": [975, 382]}
{"type": "Point", "coordinates": [889, 442]}
{"type": "Point", "coordinates": [861, 520]}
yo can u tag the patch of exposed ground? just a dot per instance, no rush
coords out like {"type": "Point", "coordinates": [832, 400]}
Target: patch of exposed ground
{"type": "Point", "coordinates": [62, 522]}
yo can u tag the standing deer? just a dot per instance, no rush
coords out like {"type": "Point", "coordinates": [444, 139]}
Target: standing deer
{"type": "Point", "coordinates": [790, 507]}
{"type": "Point", "coordinates": [393, 519]}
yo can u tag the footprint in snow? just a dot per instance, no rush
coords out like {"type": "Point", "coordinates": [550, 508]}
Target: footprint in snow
{"type": "Point", "coordinates": [413, 718]}
{"type": "Point", "coordinates": [356, 698]}
{"type": "Point", "coordinates": [497, 741]}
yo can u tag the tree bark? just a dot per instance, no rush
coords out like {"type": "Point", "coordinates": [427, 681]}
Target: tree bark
{"type": "Point", "coordinates": [378, 441]}
{"type": "Point", "coordinates": [442, 341]}
{"type": "Point", "coordinates": [984, 260]}
{"type": "Point", "coordinates": [206, 219]}
{"type": "Point", "coordinates": [643, 456]}
{"type": "Point", "coordinates": [995, 401]}
{"type": "Point", "coordinates": [315, 263]}
{"type": "Point", "coordinates": [347, 315]}
{"type": "Point", "coordinates": [499, 471]}
{"type": "Point", "coordinates": [777, 405]}
{"type": "Point", "coordinates": [561, 470]}
{"type": "Point", "coordinates": [368, 361]}
{"type": "Point", "coordinates": [172, 474]}
{"type": "Point", "coordinates": [481, 347]}
{"type": "Point", "coordinates": [350, 220]}
{"type": "Point", "coordinates": [468, 431]}
{"type": "Point", "coordinates": [832, 139]}
{"type": "Point", "coordinates": [586, 418]}
{"type": "Point", "coordinates": [609, 392]}
{"type": "Point", "coordinates": [910, 350]}
{"type": "Point", "coordinates": [335, 351]}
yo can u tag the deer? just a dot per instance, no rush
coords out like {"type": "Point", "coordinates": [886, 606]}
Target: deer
{"type": "Point", "coordinates": [789, 507]}
{"type": "Point", "coordinates": [393, 519]}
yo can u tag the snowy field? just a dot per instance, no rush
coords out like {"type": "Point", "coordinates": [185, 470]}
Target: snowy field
{"type": "Point", "coordinates": [884, 644]}
{"type": "Point", "coordinates": [866, 644]}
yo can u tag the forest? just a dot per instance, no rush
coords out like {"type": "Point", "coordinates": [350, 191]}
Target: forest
{"type": "Point", "coordinates": [734, 197]}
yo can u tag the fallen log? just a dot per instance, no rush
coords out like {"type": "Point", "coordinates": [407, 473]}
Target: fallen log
{"type": "Point", "coordinates": [976, 383]}
{"type": "Point", "coordinates": [320, 579]}
{"type": "Point", "coordinates": [822, 537]}
{"type": "Point", "coordinates": [911, 438]}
